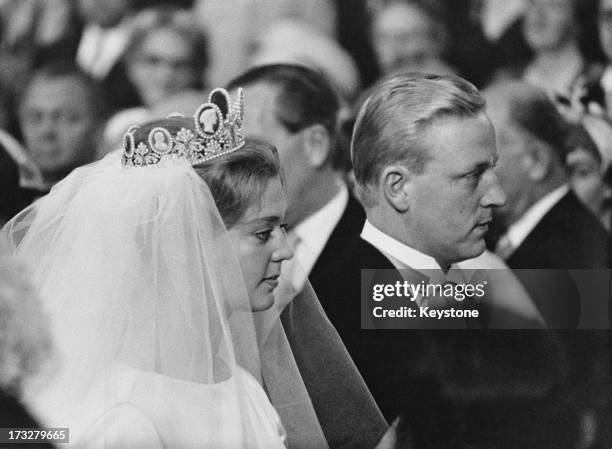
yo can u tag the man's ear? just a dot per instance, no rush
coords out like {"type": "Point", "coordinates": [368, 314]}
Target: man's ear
{"type": "Point", "coordinates": [396, 186]}
{"type": "Point", "coordinates": [539, 160]}
{"type": "Point", "coordinates": [317, 145]}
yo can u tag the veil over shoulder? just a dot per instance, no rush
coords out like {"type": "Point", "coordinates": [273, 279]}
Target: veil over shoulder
{"type": "Point", "coordinates": [151, 317]}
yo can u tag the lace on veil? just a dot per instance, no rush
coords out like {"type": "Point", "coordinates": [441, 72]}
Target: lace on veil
{"type": "Point", "coordinates": [136, 270]}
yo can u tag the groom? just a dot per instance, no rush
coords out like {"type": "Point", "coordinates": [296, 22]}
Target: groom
{"type": "Point", "coordinates": [423, 152]}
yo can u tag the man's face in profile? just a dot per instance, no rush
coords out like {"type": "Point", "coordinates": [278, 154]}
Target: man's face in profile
{"type": "Point", "coordinates": [452, 201]}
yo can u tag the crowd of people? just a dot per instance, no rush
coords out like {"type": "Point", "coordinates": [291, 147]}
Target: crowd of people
{"type": "Point", "coordinates": [195, 195]}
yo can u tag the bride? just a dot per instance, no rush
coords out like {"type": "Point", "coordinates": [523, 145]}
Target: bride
{"type": "Point", "coordinates": [160, 269]}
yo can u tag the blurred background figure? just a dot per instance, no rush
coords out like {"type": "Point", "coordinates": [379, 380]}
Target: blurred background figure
{"type": "Point", "coordinates": [589, 158]}
{"type": "Point", "coordinates": [166, 55]}
{"type": "Point", "coordinates": [21, 181]}
{"type": "Point", "coordinates": [560, 34]}
{"type": "Point", "coordinates": [106, 30]}
{"type": "Point", "coordinates": [541, 211]}
{"type": "Point", "coordinates": [103, 36]}
{"type": "Point", "coordinates": [595, 91]}
{"type": "Point", "coordinates": [233, 26]}
{"type": "Point", "coordinates": [293, 42]}
{"type": "Point", "coordinates": [543, 225]}
{"type": "Point", "coordinates": [25, 342]}
{"type": "Point", "coordinates": [11, 200]}
{"type": "Point", "coordinates": [59, 112]}
{"type": "Point", "coordinates": [551, 29]}
{"type": "Point", "coordinates": [410, 36]}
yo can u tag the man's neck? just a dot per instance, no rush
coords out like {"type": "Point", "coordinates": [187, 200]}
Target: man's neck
{"type": "Point", "coordinates": [322, 189]}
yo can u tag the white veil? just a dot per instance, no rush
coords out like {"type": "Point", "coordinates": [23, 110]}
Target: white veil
{"type": "Point", "coordinates": [146, 298]}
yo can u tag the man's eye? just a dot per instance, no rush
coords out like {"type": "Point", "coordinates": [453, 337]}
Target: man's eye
{"type": "Point", "coordinates": [474, 175]}
{"type": "Point", "coordinates": [263, 235]}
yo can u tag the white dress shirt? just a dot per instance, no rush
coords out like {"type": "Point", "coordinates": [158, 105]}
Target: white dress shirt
{"type": "Point", "coordinates": [101, 48]}
{"type": "Point", "coordinates": [520, 229]}
{"type": "Point", "coordinates": [404, 257]}
{"type": "Point", "coordinates": [504, 291]}
{"type": "Point", "coordinates": [311, 236]}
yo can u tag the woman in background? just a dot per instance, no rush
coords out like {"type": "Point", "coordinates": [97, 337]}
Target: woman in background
{"type": "Point", "coordinates": [166, 55]}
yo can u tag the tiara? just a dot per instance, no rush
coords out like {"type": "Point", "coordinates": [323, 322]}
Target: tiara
{"type": "Point", "coordinates": [218, 131]}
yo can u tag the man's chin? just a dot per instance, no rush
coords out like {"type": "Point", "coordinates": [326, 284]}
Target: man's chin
{"type": "Point", "coordinates": [474, 250]}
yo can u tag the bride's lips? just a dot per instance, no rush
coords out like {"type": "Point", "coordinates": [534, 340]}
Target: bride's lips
{"type": "Point", "coordinates": [272, 280]}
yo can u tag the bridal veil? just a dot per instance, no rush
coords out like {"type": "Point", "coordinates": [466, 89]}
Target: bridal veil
{"type": "Point", "coordinates": [136, 270]}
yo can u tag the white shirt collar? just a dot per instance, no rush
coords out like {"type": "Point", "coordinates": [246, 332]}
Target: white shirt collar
{"type": "Point", "coordinates": [520, 229]}
{"type": "Point", "coordinates": [313, 234]}
{"type": "Point", "coordinates": [403, 256]}
{"type": "Point", "coordinates": [315, 230]}
{"type": "Point", "coordinates": [100, 48]}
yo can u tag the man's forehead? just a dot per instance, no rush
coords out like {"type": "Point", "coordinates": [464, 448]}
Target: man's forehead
{"type": "Point", "coordinates": [462, 141]}
{"type": "Point", "coordinates": [260, 104]}
{"type": "Point", "coordinates": [70, 89]}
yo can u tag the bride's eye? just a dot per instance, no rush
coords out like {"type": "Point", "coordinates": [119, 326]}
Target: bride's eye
{"type": "Point", "coordinates": [264, 236]}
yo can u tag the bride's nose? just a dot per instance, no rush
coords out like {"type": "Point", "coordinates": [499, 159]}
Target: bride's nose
{"type": "Point", "coordinates": [284, 251]}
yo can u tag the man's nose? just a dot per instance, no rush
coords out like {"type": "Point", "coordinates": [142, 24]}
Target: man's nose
{"type": "Point", "coordinates": [495, 195]}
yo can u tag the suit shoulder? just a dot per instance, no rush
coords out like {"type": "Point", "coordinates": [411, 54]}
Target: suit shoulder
{"type": "Point", "coordinates": [568, 236]}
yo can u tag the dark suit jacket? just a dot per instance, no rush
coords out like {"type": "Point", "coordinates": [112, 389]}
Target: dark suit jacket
{"type": "Point", "coordinates": [350, 224]}
{"type": "Point", "coordinates": [119, 93]}
{"type": "Point", "coordinates": [380, 354]}
{"type": "Point", "coordinates": [376, 353]}
{"type": "Point", "coordinates": [567, 237]}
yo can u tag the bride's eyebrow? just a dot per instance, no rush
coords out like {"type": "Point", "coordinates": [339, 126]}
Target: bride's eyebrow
{"type": "Point", "coordinates": [270, 220]}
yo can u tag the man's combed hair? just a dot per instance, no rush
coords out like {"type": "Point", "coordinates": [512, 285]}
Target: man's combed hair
{"type": "Point", "coordinates": [534, 112]}
{"type": "Point", "coordinates": [392, 122]}
{"type": "Point", "coordinates": [305, 96]}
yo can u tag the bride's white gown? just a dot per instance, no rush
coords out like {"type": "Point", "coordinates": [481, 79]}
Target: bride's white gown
{"type": "Point", "coordinates": [130, 408]}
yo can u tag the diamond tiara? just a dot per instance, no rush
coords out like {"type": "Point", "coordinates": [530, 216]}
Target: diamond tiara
{"type": "Point", "coordinates": [218, 131]}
